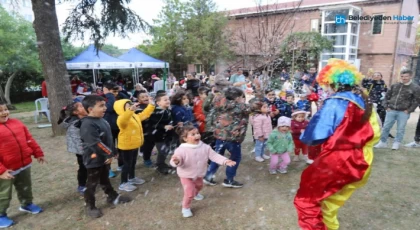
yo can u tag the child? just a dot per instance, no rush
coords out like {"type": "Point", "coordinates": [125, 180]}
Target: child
{"type": "Point", "coordinates": [146, 150]}
{"type": "Point", "coordinates": [143, 100]}
{"type": "Point", "coordinates": [69, 118]}
{"type": "Point", "coordinates": [232, 116]}
{"type": "Point", "coordinates": [160, 129]}
{"type": "Point", "coordinates": [191, 158]}
{"type": "Point", "coordinates": [303, 103]}
{"type": "Point", "coordinates": [261, 126]}
{"type": "Point", "coordinates": [98, 151]}
{"type": "Point", "coordinates": [200, 116]}
{"type": "Point", "coordinates": [16, 150]}
{"type": "Point", "coordinates": [288, 107]}
{"type": "Point", "coordinates": [298, 126]}
{"type": "Point", "coordinates": [280, 144]}
{"type": "Point", "coordinates": [130, 138]}
{"type": "Point", "coordinates": [181, 113]}
{"type": "Point", "coordinates": [274, 105]}
{"type": "Point", "coordinates": [198, 108]}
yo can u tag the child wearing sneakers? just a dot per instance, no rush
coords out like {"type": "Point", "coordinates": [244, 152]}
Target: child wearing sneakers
{"type": "Point", "coordinates": [280, 144]}
{"type": "Point", "coordinates": [130, 138]}
{"type": "Point", "coordinates": [161, 129]}
{"type": "Point", "coordinates": [191, 158]}
{"type": "Point", "coordinates": [98, 151]}
{"type": "Point", "coordinates": [16, 150]}
{"type": "Point", "coordinates": [298, 126]}
{"type": "Point", "coordinates": [261, 126]}
{"type": "Point", "coordinates": [69, 118]}
{"type": "Point", "coordinates": [149, 143]}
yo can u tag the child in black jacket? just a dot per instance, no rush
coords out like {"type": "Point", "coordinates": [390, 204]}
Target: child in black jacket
{"type": "Point", "coordinates": [98, 151]}
{"type": "Point", "coordinates": [160, 128]}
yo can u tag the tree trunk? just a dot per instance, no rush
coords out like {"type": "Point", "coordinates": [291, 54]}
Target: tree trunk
{"type": "Point", "coordinates": [52, 59]}
{"type": "Point", "coordinates": [2, 97]}
{"type": "Point", "coordinates": [7, 87]}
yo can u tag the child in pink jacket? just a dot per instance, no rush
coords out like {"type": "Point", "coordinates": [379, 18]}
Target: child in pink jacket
{"type": "Point", "coordinates": [191, 158]}
{"type": "Point", "coordinates": [262, 127]}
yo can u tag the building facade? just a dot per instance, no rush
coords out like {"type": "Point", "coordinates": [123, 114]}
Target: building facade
{"type": "Point", "coordinates": [21, 7]}
{"type": "Point", "coordinates": [372, 34]}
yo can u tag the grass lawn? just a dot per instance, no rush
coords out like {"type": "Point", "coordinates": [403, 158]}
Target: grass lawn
{"type": "Point", "coordinates": [21, 107]}
{"type": "Point", "coordinates": [390, 200]}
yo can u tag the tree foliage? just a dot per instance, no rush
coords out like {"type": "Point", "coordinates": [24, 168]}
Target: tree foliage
{"type": "Point", "coordinates": [112, 50]}
{"type": "Point", "coordinates": [168, 35]}
{"type": "Point", "coordinates": [206, 41]}
{"type": "Point", "coordinates": [19, 57]}
{"type": "Point", "coordinates": [70, 51]}
{"type": "Point", "coordinates": [303, 49]}
{"type": "Point", "coordinates": [115, 18]}
{"type": "Point", "coordinates": [187, 32]}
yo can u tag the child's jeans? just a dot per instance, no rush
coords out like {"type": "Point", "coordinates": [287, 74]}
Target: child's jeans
{"type": "Point", "coordinates": [274, 161]}
{"type": "Point", "coordinates": [23, 186]}
{"type": "Point", "coordinates": [234, 149]}
{"type": "Point", "coordinates": [191, 189]}
{"type": "Point", "coordinates": [260, 147]}
{"type": "Point", "coordinates": [299, 145]}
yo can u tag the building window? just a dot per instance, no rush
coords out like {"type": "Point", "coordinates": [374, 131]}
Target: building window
{"type": "Point", "coordinates": [408, 31]}
{"type": "Point", "coordinates": [377, 24]}
{"type": "Point", "coordinates": [314, 25]}
{"type": "Point", "coordinates": [198, 68]}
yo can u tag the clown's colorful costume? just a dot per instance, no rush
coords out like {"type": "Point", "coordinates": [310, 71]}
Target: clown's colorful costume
{"type": "Point", "coordinates": [347, 142]}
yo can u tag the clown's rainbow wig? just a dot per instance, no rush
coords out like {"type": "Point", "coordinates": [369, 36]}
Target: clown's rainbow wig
{"type": "Point", "coordinates": [339, 72]}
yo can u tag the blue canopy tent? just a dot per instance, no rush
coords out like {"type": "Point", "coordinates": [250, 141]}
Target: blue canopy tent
{"type": "Point", "coordinates": [142, 61]}
{"type": "Point", "coordinates": [91, 59]}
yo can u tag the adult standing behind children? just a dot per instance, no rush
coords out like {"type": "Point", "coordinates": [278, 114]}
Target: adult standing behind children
{"type": "Point", "coordinates": [130, 139]}
{"type": "Point", "coordinates": [16, 151]}
{"type": "Point", "coordinates": [98, 151]}
{"type": "Point", "coordinates": [238, 80]}
{"type": "Point", "coordinates": [400, 101]}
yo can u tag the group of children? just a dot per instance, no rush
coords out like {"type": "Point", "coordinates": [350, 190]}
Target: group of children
{"type": "Point", "coordinates": [210, 123]}
{"type": "Point", "coordinates": [197, 130]}
{"type": "Point", "coordinates": [277, 124]}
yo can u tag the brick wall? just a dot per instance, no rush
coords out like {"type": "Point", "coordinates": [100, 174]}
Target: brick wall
{"type": "Point", "coordinates": [382, 63]}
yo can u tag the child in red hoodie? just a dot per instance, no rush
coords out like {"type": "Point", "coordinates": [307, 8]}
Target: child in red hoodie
{"type": "Point", "coordinates": [200, 117]}
{"type": "Point", "coordinates": [16, 151]}
{"type": "Point", "coordinates": [298, 126]}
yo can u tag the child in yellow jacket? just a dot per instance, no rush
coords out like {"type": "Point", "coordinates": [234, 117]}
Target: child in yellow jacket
{"type": "Point", "coordinates": [130, 139]}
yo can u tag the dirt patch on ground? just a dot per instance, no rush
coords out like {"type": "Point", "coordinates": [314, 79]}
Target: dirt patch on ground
{"type": "Point", "coordinates": [390, 200]}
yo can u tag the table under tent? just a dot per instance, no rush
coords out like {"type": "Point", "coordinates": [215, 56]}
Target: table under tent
{"type": "Point", "coordinates": [144, 61]}
{"type": "Point", "coordinates": [96, 60]}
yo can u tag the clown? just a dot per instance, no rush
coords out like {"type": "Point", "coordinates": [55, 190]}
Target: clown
{"type": "Point", "coordinates": [347, 128]}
